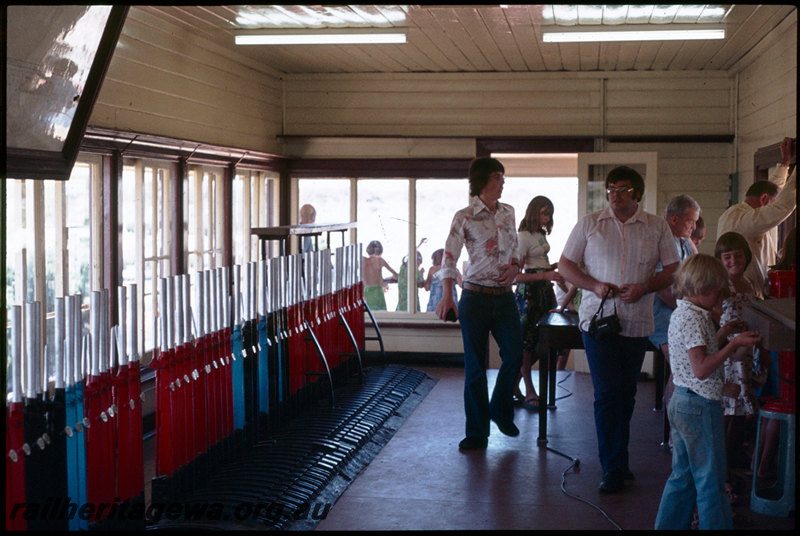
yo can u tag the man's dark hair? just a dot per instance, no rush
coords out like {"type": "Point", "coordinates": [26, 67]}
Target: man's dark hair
{"type": "Point", "coordinates": [622, 173]}
{"type": "Point", "coordinates": [759, 188]}
{"type": "Point", "coordinates": [479, 171]}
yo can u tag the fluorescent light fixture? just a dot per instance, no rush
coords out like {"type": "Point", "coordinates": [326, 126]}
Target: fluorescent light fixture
{"type": "Point", "coordinates": [325, 36]}
{"type": "Point", "coordinates": [632, 32]}
{"type": "Point", "coordinates": [534, 156]}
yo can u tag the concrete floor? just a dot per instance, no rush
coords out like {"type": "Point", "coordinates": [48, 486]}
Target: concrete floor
{"type": "Point", "coordinates": [421, 481]}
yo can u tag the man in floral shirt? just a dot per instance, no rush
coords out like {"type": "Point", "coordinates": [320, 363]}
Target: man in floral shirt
{"type": "Point", "coordinates": [487, 229]}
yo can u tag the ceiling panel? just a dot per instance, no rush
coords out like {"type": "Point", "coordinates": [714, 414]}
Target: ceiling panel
{"type": "Point", "coordinates": [481, 38]}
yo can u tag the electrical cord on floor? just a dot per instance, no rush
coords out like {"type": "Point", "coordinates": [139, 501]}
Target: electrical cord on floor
{"type": "Point", "coordinates": [558, 384]}
{"type": "Point", "coordinates": [575, 462]}
{"type": "Point", "coordinates": [576, 465]}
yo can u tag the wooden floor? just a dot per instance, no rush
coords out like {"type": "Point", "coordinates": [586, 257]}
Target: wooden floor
{"type": "Point", "coordinates": [420, 480]}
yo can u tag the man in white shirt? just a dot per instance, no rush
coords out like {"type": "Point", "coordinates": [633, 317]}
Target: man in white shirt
{"type": "Point", "coordinates": [765, 206]}
{"type": "Point", "coordinates": [620, 248]}
{"type": "Point", "coordinates": [487, 229]}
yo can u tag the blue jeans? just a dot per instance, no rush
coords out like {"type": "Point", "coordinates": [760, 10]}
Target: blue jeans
{"type": "Point", "coordinates": [615, 364]}
{"type": "Point", "coordinates": [481, 314]}
{"type": "Point", "coordinates": [698, 465]}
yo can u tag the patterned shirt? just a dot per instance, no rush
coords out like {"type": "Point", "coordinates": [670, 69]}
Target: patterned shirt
{"type": "Point", "coordinates": [490, 239]}
{"type": "Point", "coordinates": [621, 252]}
{"type": "Point", "coordinates": [689, 327]}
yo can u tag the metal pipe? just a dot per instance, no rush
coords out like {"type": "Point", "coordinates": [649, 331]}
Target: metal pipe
{"type": "Point", "coordinates": [33, 364]}
{"type": "Point", "coordinates": [16, 353]}
{"type": "Point", "coordinates": [260, 286]}
{"type": "Point", "coordinates": [208, 303]}
{"type": "Point", "coordinates": [94, 359]}
{"type": "Point", "coordinates": [69, 340]}
{"type": "Point", "coordinates": [201, 285]}
{"type": "Point", "coordinates": [248, 275]}
{"type": "Point", "coordinates": [169, 313]}
{"type": "Point", "coordinates": [226, 303]}
{"type": "Point", "coordinates": [134, 333]}
{"type": "Point", "coordinates": [187, 308]}
{"type": "Point", "coordinates": [113, 347]}
{"type": "Point", "coordinates": [219, 298]}
{"type": "Point", "coordinates": [162, 308]}
{"type": "Point", "coordinates": [103, 362]}
{"type": "Point", "coordinates": [237, 298]}
{"type": "Point", "coordinates": [58, 343]}
{"type": "Point", "coordinates": [122, 308]}
{"type": "Point", "coordinates": [77, 339]}
{"type": "Point", "coordinates": [179, 312]}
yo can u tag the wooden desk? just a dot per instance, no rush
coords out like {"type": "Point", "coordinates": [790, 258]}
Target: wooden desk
{"type": "Point", "coordinates": [560, 331]}
{"type": "Point", "coordinates": [283, 232]}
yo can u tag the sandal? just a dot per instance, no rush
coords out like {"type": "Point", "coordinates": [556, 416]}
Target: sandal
{"type": "Point", "coordinates": [531, 404]}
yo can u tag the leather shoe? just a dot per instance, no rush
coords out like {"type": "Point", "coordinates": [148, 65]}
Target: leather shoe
{"type": "Point", "coordinates": [508, 428]}
{"type": "Point", "coordinates": [473, 443]}
{"type": "Point", "coordinates": [628, 475]}
{"type": "Point", "coordinates": [611, 483]}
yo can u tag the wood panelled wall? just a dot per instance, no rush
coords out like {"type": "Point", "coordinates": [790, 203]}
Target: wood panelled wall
{"type": "Point", "coordinates": [767, 101]}
{"type": "Point", "coordinates": [167, 81]}
{"type": "Point", "coordinates": [509, 104]}
{"type": "Point", "coordinates": [164, 80]}
{"type": "Point", "coordinates": [700, 170]}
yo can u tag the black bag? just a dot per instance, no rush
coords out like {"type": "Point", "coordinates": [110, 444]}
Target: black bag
{"type": "Point", "coordinates": [600, 328]}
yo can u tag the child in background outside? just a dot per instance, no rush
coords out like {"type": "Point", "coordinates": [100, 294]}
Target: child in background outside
{"type": "Point", "coordinates": [402, 282]}
{"type": "Point", "coordinates": [695, 410]}
{"type": "Point", "coordinates": [434, 284]}
{"type": "Point", "coordinates": [373, 266]}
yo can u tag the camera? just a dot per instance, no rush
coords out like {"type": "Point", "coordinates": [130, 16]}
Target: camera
{"type": "Point", "coordinates": [601, 328]}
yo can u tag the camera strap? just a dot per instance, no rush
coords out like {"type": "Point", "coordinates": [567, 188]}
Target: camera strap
{"type": "Point", "coordinates": [600, 309]}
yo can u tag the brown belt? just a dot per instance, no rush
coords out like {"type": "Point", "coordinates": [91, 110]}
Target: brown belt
{"type": "Point", "coordinates": [495, 291]}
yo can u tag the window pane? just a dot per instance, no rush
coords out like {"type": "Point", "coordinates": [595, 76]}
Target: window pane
{"type": "Point", "coordinates": [330, 198]}
{"type": "Point", "coordinates": [237, 200]}
{"type": "Point", "coordinates": [193, 239]}
{"type": "Point", "coordinates": [78, 192]}
{"type": "Point", "coordinates": [383, 216]}
{"type": "Point", "coordinates": [437, 201]}
{"type": "Point", "coordinates": [127, 214]}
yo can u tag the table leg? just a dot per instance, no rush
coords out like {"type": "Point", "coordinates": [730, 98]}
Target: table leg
{"type": "Point", "coordinates": [551, 367]}
{"type": "Point", "coordinates": [544, 362]}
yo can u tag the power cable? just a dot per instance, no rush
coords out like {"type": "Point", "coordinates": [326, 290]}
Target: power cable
{"type": "Point", "coordinates": [575, 465]}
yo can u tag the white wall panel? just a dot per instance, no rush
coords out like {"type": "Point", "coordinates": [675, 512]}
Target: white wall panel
{"type": "Point", "coordinates": [167, 81]}
{"type": "Point", "coordinates": [700, 170]}
{"type": "Point", "coordinates": [508, 104]}
{"type": "Point", "coordinates": [767, 103]}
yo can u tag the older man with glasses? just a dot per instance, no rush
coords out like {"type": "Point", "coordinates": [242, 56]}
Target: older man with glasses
{"type": "Point", "coordinates": [619, 248]}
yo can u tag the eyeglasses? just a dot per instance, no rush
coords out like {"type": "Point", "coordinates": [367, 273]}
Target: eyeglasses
{"type": "Point", "coordinates": [623, 190]}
